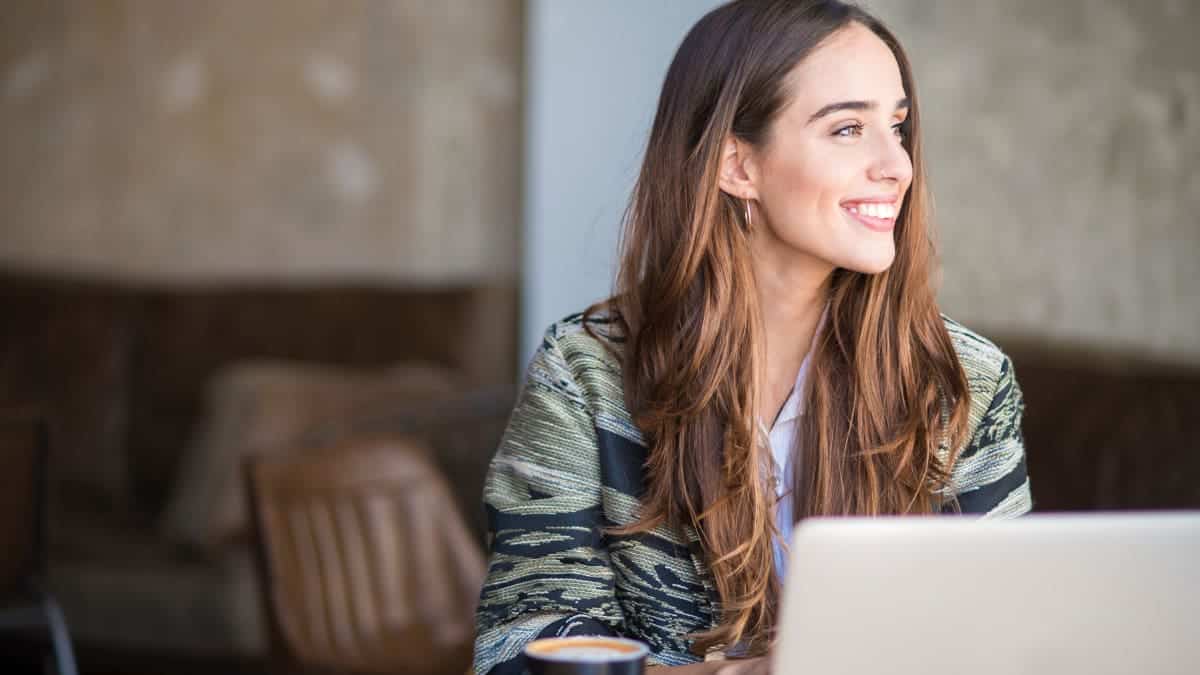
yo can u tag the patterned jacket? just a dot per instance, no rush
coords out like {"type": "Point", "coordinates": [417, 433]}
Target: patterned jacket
{"type": "Point", "coordinates": [570, 463]}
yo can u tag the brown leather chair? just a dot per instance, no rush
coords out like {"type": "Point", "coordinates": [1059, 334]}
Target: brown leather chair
{"type": "Point", "coordinates": [366, 564]}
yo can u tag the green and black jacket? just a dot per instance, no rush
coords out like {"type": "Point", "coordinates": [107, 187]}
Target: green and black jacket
{"type": "Point", "coordinates": [570, 464]}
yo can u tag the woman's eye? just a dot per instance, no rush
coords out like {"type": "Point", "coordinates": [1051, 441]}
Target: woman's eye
{"type": "Point", "coordinates": [901, 129]}
{"type": "Point", "coordinates": [849, 130]}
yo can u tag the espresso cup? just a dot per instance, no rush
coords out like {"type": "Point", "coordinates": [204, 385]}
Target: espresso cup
{"type": "Point", "coordinates": [586, 655]}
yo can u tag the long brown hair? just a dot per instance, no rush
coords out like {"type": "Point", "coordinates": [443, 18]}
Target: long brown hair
{"type": "Point", "coordinates": [885, 389]}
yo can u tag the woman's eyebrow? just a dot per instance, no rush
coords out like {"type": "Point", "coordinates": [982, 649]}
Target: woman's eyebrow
{"type": "Point", "coordinates": [854, 105]}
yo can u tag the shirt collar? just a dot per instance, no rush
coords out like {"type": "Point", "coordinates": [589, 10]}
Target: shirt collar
{"type": "Point", "coordinates": [793, 407]}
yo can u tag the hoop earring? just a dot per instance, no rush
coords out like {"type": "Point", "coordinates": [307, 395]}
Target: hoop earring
{"type": "Point", "coordinates": [749, 216]}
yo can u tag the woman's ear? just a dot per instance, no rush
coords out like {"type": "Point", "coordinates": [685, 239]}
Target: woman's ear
{"type": "Point", "coordinates": [738, 173]}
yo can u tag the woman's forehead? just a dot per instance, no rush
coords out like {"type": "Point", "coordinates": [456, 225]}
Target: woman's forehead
{"type": "Point", "coordinates": [853, 64]}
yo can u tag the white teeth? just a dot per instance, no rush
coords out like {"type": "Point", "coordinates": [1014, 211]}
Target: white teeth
{"type": "Point", "coordinates": [874, 210]}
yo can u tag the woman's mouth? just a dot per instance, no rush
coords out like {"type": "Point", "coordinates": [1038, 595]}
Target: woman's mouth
{"type": "Point", "coordinates": [878, 216]}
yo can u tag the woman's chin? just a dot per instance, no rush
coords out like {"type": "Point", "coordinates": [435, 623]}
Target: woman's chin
{"type": "Point", "coordinates": [871, 264]}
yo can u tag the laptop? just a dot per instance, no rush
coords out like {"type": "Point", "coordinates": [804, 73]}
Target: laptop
{"type": "Point", "coordinates": [1052, 594]}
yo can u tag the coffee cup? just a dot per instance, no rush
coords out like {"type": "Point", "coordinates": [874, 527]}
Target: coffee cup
{"type": "Point", "coordinates": [586, 655]}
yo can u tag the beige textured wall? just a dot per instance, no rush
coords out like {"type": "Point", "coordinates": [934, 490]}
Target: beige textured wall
{"type": "Point", "coordinates": [276, 140]}
{"type": "Point", "coordinates": [1065, 158]}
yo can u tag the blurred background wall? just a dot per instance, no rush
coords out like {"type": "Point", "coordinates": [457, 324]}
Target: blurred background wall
{"type": "Point", "coordinates": [184, 143]}
{"type": "Point", "coordinates": [1064, 154]}
{"type": "Point", "coordinates": [283, 141]}
{"type": "Point", "coordinates": [1064, 146]}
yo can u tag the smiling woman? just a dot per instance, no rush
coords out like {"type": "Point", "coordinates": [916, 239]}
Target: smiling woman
{"type": "Point", "coordinates": [773, 351]}
{"type": "Point", "coordinates": [833, 174]}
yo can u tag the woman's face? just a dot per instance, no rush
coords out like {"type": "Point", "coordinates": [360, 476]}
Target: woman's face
{"type": "Point", "coordinates": [833, 173]}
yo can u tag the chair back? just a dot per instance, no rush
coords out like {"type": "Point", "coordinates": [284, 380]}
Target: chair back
{"type": "Point", "coordinates": [367, 564]}
{"type": "Point", "coordinates": [24, 443]}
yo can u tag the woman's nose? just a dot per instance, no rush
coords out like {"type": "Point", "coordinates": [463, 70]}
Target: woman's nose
{"type": "Point", "coordinates": [891, 162]}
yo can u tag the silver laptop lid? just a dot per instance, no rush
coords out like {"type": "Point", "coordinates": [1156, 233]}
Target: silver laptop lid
{"type": "Point", "coordinates": [1055, 594]}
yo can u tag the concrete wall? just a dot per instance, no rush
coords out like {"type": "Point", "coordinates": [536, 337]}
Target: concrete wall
{"type": "Point", "coordinates": [1065, 158]}
{"type": "Point", "coordinates": [317, 140]}
{"type": "Point", "coordinates": [1064, 151]}
{"type": "Point", "coordinates": [277, 140]}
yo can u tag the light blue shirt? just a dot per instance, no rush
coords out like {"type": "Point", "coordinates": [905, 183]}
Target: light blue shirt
{"type": "Point", "coordinates": [782, 437]}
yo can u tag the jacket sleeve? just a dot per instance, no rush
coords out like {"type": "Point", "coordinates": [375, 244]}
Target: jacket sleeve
{"type": "Point", "coordinates": [990, 476]}
{"type": "Point", "coordinates": [548, 569]}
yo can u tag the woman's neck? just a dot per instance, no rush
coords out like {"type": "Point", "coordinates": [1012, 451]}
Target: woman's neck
{"type": "Point", "coordinates": [792, 296]}
{"type": "Point", "coordinates": [791, 299]}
